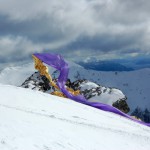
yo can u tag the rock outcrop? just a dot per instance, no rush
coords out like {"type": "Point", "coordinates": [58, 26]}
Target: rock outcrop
{"type": "Point", "coordinates": [91, 91]}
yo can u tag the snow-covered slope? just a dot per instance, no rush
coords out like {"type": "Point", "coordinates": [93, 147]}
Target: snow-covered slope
{"type": "Point", "coordinates": [17, 75]}
{"type": "Point", "coordinates": [32, 120]}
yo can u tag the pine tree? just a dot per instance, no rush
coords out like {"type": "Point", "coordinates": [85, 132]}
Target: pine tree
{"type": "Point", "coordinates": [138, 113]}
{"type": "Point", "coordinates": [146, 116]}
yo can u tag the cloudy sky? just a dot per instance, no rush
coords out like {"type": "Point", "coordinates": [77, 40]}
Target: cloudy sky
{"type": "Point", "coordinates": [80, 29]}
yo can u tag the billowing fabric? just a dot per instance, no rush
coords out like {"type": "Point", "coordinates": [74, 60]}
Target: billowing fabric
{"type": "Point", "coordinates": [57, 62]}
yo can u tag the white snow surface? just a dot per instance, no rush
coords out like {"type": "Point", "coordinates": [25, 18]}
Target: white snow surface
{"type": "Point", "coordinates": [88, 85]}
{"type": "Point", "coordinates": [107, 98]}
{"type": "Point", "coordinates": [32, 120]}
{"type": "Point", "coordinates": [17, 75]}
{"type": "Point", "coordinates": [108, 95]}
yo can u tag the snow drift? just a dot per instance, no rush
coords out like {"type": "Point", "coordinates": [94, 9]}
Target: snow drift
{"type": "Point", "coordinates": [31, 120]}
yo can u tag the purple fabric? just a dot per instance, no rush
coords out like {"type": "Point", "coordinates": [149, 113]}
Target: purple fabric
{"type": "Point", "coordinates": [58, 63]}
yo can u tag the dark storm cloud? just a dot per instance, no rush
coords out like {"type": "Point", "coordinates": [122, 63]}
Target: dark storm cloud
{"type": "Point", "coordinates": [78, 28]}
{"type": "Point", "coordinates": [37, 30]}
{"type": "Point", "coordinates": [105, 42]}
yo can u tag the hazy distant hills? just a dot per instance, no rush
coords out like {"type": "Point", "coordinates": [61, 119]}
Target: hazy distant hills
{"type": "Point", "coordinates": [129, 64]}
{"type": "Point", "coordinates": [105, 66]}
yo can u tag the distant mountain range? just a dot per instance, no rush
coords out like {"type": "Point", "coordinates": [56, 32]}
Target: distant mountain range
{"type": "Point", "coordinates": [128, 64]}
{"type": "Point", "coordinates": [105, 66]}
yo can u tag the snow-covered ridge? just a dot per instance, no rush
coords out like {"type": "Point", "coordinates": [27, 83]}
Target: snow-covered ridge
{"type": "Point", "coordinates": [32, 120]}
{"type": "Point", "coordinates": [16, 75]}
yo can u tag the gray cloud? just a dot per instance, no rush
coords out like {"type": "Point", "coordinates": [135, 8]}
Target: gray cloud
{"type": "Point", "coordinates": [74, 28]}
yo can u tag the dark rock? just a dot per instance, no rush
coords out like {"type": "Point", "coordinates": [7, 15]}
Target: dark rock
{"type": "Point", "coordinates": [37, 82]}
{"type": "Point", "coordinates": [122, 105]}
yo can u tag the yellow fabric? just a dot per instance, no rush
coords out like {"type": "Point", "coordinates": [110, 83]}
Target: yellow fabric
{"type": "Point", "coordinates": [58, 93]}
{"type": "Point", "coordinates": [135, 117]}
{"type": "Point", "coordinates": [44, 71]}
{"type": "Point", "coordinates": [77, 92]}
